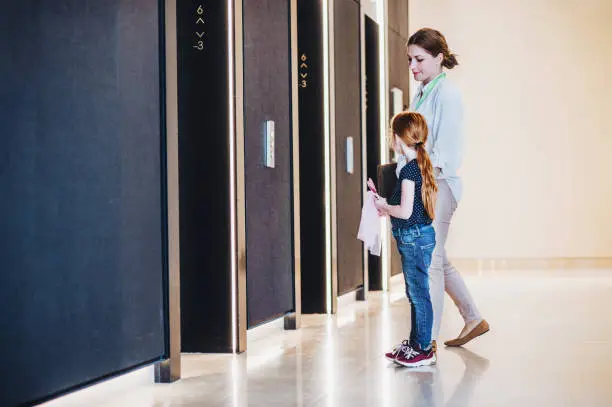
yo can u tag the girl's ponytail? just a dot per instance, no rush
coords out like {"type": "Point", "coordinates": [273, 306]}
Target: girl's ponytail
{"type": "Point", "coordinates": [429, 189]}
{"type": "Point", "coordinates": [411, 128]}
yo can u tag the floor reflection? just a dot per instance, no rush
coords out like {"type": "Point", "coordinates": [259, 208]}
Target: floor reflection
{"type": "Point", "coordinates": [335, 361]}
{"type": "Point", "coordinates": [431, 389]}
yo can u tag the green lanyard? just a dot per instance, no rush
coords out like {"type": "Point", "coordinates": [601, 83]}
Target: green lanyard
{"type": "Point", "coordinates": [428, 88]}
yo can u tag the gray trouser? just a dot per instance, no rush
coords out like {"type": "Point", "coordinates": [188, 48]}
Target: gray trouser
{"type": "Point", "coordinates": [442, 275]}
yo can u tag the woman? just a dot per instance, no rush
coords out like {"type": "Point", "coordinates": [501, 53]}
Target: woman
{"type": "Point", "coordinates": [440, 102]}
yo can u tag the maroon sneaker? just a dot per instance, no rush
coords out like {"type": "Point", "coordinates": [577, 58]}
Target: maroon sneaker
{"type": "Point", "coordinates": [391, 356]}
{"type": "Point", "coordinates": [411, 357]}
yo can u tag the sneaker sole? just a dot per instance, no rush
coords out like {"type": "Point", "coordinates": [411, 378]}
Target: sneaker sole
{"type": "Point", "coordinates": [426, 362]}
{"type": "Point", "coordinates": [399, 364]}
{"type": "Point", "coordinates": [391, 359]}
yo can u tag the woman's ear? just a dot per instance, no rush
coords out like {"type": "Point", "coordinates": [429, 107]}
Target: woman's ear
{"type": "Point", "coordinates": [440, 58]}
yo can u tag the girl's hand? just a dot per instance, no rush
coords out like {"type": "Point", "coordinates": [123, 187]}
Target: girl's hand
{"type": "Point", "coordinates": [381, 205]}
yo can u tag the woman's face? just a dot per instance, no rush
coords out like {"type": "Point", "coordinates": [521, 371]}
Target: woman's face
{"type": "Point", "coordinates": [423, 65]}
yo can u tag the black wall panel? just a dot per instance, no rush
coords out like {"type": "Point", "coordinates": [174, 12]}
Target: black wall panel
{"type": "Point", "coordinates": [348, 124]}
{"type": "Point", "coordinates": [204, 177]}
{"type": "Point", "coordinates": [268, 190]}
{"type": "Point", "coordinates": [373, 128]}
{"type": "Point", "coordinates": [312, 209]}
{"type": "Point", "coordinates": [81, 231]}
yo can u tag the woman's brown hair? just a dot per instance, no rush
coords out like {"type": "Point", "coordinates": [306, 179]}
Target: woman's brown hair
{"type": "Point", "coordinates": [411, 128]}
{"type": "Point", "coordinates": [434, 42]}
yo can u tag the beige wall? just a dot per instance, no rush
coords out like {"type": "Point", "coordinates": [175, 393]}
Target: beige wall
{"type": "Point", "coordinates": [538, 167]}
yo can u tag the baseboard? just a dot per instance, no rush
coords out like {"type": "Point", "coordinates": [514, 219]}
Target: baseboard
{"type": "Point", "coordinates": [105, 390]}
{"type": "Point", "coordinates": [532, 264]}
{"type": "Point", "coordinates": [266, 329]}
{"type": "Point", "coordinates": [347, 299]}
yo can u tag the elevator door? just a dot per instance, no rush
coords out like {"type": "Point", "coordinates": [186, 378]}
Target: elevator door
{"type": "Point", "coordinates": [270, 289]}
{"type": "Point", "coordinates": [347, 65]}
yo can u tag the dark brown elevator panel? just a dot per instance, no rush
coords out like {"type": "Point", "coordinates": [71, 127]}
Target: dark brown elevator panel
{"type": "Point", "coordinates": [347, 65]}
{"type": "Point", "coordinates": [270, 290]}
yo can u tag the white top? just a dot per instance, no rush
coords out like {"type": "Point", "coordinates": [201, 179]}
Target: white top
{"type": "Point", "coordinates": [443, 111]}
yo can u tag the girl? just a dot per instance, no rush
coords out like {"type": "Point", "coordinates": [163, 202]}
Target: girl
{"type": "Point", "coordinates": [411, 208]}
{"type": "Point", "coordinates": [440, 103]}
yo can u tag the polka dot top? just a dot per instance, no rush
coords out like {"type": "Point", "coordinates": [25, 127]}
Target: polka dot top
{"type": "Point", "coordinates": [411, 171]}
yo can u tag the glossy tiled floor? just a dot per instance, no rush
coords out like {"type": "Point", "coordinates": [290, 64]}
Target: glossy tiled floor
{"type": "Point", "coordinates": [550, 345]}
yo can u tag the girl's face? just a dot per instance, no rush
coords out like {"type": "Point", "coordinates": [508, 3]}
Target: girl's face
{"type": "Point", "coordinates": [402, 148]}
{"type": "Point", "coordinates": [423, 65]}
{"type": "Point", "coordinates": [397, 145]}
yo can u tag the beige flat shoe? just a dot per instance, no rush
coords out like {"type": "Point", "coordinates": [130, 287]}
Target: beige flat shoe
{"type": "Point", "coordinates": [480, 329]}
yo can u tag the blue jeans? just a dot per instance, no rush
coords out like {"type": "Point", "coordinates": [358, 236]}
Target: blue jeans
{"type": "Point", "coordinates": [416, 245]}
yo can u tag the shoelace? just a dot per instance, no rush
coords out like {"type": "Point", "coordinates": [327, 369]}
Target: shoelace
{"type": "Point", "coordinates": [401, 347]}
{"type": "Point", "coordinates": [409, 352]}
